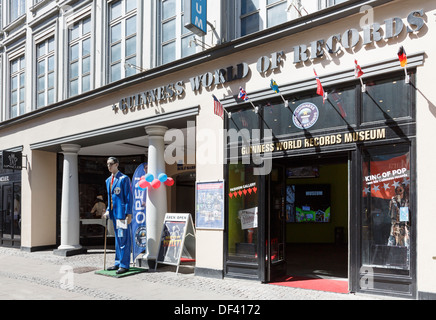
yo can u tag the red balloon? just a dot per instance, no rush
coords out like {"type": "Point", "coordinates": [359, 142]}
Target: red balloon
{"type": "Point", "coordinates": [169, 182]}
{"type": "Point", "coordinates": [156, 183]}
{"type": "Point", "coordinates": [143, 184]}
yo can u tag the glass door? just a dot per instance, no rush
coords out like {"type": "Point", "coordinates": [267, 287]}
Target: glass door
{"type": "Point", "coordinates": [7, 217]}
{"type": "Point", "coordinates": [276, 224]}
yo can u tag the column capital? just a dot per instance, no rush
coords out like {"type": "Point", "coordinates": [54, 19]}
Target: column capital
{"type": "Point", "coordinates": [156, 130]}
{"type": "Point", "coordinates": [70, 148]}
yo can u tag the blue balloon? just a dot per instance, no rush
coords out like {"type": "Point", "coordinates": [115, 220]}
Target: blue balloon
{"type": "Point", "coordinates": [163, 177]}
{"type": "Point", "coordinates": [149, 177]}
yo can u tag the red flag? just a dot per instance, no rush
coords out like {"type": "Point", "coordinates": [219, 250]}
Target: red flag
{"type": "Point", "coordinates": [402, 56]}
{"type": "Point", "coordinates": [218, 107]}
{"type": "Point", "coordinates": [357, 70]}
{"type": "Point", "coordinates": [320, 89]}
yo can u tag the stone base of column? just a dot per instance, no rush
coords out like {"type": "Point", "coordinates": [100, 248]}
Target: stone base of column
{"type": "Point", "coordinates": [69, 252]}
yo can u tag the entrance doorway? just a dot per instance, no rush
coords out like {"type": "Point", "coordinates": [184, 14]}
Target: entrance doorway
{"type": "Point", "coordinates": [10, 214]}
{"type": "Point", "coordinates": [307, 219]}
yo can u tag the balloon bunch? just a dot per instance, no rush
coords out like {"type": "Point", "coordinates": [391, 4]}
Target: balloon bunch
{"type": "Point", "coordinates": [150, 181]}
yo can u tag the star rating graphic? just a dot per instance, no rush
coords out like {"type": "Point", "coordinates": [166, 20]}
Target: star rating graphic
{"type": "Point", "coordinates": [244, 192]}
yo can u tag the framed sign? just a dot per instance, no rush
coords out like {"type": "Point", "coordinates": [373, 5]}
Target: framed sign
{"type": "Point", "coordinates": [12, 160]}
{"type": "Point", "coordinates": [209, 205]}
{"type": "Point", "coordinates": [177, 239]}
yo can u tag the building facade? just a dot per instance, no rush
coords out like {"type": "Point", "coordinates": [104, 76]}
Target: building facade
{"type": "Point", "coordinates": [317, 162]}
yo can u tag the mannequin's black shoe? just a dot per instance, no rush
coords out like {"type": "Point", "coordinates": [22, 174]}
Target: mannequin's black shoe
{"type": "Point", "coordinates": [122, 270]}
{"type": "Point", "coordinates": [112, 268]}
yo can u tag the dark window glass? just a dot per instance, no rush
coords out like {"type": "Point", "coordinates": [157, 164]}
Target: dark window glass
{"type": "Point", "coordinates": [386, 100]}
{"type": "Point", "coordinates": [386, 215]}
{"type": "Point", "coordinates": [311, 113]}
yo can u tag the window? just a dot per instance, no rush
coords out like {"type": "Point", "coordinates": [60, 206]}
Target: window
{"type": "Point", "coordinates": [123, 39]}
{"type": "Point", "coordinates": [339, 110]}
{"type": "Point", "coordinates": [17, 86]}
{"type": "Point", "coordinates": [175, 40]}
{"type": "Point", "coordinates": [243, 213]}
{"type": "Point", "coordinates": [80, 57]}
{"type": "Point", "coordinates": [256, 15]}
{"type": "Point", "coordinates": [386, 214]}
{"type": "Point", "coordinates": [17, 9]}
{"type": "Point", "coordinates": [387, 100]}
{"type": "Point", "coordinates": [45, 69]}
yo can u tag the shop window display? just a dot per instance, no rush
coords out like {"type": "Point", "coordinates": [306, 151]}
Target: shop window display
{"type": "Point", "coordinates": [243, 213]}
{"type": "Point", "coordinates": [387, 218]}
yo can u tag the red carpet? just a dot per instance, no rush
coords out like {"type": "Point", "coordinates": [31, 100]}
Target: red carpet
{"type": "Point", "coordinates": [327, 285]}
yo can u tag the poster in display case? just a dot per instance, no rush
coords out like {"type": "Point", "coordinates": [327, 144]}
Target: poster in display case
{"type": "Point", "coordinates": [209, 205]}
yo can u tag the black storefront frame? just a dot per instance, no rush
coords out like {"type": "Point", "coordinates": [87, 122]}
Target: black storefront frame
{"type": "Point", "coordinates": [400, 131]}
{"type": "Point", "coordinates": [385, 282]}
{"type": "Point", "coordinates": [14, 183]}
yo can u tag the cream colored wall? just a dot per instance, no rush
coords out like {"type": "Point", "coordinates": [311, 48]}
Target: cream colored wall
{"type": "Point", "coordinates": [209, 164]}
{"type": "Point", "coordinates": [39, 200]}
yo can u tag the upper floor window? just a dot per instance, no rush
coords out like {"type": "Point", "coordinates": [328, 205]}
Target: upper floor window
{"type": "Point", "coordinates": [256, 15]}
{"type": "Point", "coordinates": [17, 85]}
{"type": "Point", "coordinates": [79, 77]}
{"type": "Point", "coordinates": [175, 40]}
{"type": "Point", "coordinates": [45, 69]}
{"type": "Point", "coordinates": [123, 39]}
{"type": "Point", "coordinates": [17, 9]}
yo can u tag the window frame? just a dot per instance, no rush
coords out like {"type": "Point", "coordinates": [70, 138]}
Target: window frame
{"type": "Point", "coordinates": [21, 9]}
{"type": "Point", "coordinates": [181, 34]}
{"type": "Point", "coordinates": [79, 41]}
{"type": "Point", "coordinates": [50, 52]}
{"type": "Point", "coordinates": [264, 7]}
{"type": "Point", "coordinates": [124, 59]}
{"type": "Point", "coordinates": [21, 85]}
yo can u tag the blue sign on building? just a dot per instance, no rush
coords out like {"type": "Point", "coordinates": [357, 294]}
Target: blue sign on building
{"type": "Point", "coordinates": [196, 16]}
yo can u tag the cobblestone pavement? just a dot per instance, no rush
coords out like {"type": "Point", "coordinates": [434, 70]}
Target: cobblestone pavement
{"type": "Point", "coordinates": [45, 276]}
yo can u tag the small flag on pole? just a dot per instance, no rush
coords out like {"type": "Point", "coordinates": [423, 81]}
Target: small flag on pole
{"type": "Point", "coordinates": [358, 73]}
{"type": "Point", "coordinates": [218, 108]}
{"type": "Point", "coordinates": [357, 70]}
{"type": "Point", "coordinates": [320, 89]}
{"type": "Point", "coordinates": [274, 86]}
{"type": "Point", "coordinates": [242, 94]}
{"type": "Point", "coordinates": [403, 61]}
{"type": "Point", "coordinates": [402, 56]}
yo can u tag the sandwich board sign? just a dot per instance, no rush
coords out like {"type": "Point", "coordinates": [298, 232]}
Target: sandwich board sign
{"type": "Point", "coordinates": [177, 239]}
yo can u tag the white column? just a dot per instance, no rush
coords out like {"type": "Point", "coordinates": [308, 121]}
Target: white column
{"type": "Point", "coordinates": [70, 215]}
{"type": "Point", "coordinates": [156, 198]}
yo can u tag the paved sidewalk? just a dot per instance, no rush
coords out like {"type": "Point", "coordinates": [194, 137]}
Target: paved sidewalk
{"type": "Point", "coordinates": [45, 276]}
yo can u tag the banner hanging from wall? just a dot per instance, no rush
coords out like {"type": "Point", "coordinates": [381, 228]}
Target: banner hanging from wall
{"type": "Point", "coordinates": [139, 228]}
